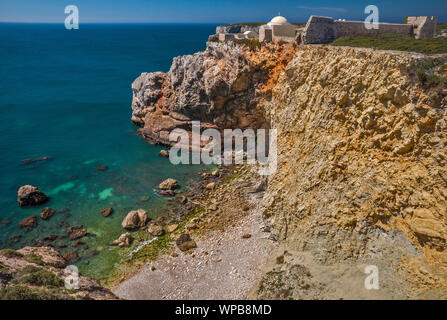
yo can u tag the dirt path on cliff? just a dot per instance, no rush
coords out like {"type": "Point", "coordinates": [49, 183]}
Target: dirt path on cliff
{"type": "Point", "coordinates": [227, 263]}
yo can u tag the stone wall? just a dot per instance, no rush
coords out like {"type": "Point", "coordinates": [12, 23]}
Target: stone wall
{"type": "Point", "coordinates": [283, 31]}
{"type": "Point", "coordinates": [357, 29]}
{"type": "Point", "coordinates": [265, 34]}
{"type": "Point", "coordinates": [424, 27]}
{"type": "Point", "coordinates": [319, 30]}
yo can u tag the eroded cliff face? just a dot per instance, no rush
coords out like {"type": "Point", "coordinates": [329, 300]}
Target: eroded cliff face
{"type": "Point", "coordinates": [361, 171]}
{"type": "Point", "coordinates": [361, 176]}
{"type": "Point", "coordinates": [221, 86]}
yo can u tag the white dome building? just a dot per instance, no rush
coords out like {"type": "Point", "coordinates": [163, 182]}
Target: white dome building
{"type": "Point", "coordinates": [277, 29]}
{"type": "Point", "coordinates": [278, 21]}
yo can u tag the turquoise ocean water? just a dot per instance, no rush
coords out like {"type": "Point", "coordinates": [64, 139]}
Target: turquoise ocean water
{"type": "Point", "coordinates": [67, 94]}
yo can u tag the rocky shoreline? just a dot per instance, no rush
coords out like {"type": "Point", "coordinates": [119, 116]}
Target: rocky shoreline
{"type": "Point", "coordinates": [232, 244]}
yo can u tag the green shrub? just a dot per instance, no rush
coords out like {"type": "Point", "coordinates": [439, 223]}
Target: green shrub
{"type": "Point", "coordinates": [214, 39]}
{"type": "Point", "coordinates": [34, 258]}
{"type": "Point", "coordinates": [25, 293]}
{"type": "Point", "coordinates": [11, 253]}
{"type": "Point", "coordinates": [252, 44]}
{"type": "Point", "coordinates": [39, 277]}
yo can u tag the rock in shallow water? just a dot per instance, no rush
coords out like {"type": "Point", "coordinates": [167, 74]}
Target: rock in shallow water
{"type": "Point", "coordinates": [46, 213]}
{"type": "Point", "coordinates": [168, 184]}
{"type": "Point", "coordinates": [28, 223]}
{"type": "Point", "coordinates": [135, 219]}
{"type": "Point", "coordinates": [164, 153]}
{"type": "Point", "coordinates": [30, 196]}
{"type": "Point", "coordinates": [77, 234]}
{"type": "Point", "coordinates": [107, 212]}
{"type": "Point", "coordinates": [71, 256]}
{"type": "Point", "coordinates": [123, 241]}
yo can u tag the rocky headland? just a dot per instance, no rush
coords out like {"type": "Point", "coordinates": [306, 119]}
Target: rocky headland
{"type": "Point", "coordinates": [361, 163]}
{"type": "Point", "coordinates": [38, 273]}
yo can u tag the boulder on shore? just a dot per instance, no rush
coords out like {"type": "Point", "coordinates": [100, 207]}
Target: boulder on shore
{"type": "Point", "coordinates": [123, 241]}
{"type": "Point", "coordinates": [135, 219]}
{"type": "Point", "coordinates": [46, 213]}
{"type": "Point", "coordinates": [172, 227]}
{"type": "Point", "coordinates": [185, 243]}
{"type": "Point", "coordinates": [154, 229]}
{"type": "Point", "coordinates": [30, 196]}
{"type": "Point", "coordinates": [168, 184]}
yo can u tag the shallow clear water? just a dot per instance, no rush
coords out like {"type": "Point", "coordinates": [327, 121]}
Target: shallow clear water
{"type": "Point", "coordinates": [67, 94]}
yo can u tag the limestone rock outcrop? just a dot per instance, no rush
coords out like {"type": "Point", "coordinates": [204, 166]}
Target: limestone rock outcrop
{"type": "Point", "coordinates": [221, 87]}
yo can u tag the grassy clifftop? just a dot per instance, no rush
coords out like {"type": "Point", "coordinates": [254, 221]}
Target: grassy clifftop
{"type": "Point", "coordinates": [396, 42]}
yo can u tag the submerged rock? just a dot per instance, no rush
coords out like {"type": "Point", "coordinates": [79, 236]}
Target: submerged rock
{"type": "Point", "coordinates": [50, 237]}
{"type": "Point", "coordinates": [30, 196]}
{"type": "Point", "coordinates": [71, 256]}
{"type": "Point", "coordinates": [135, 219]}
{"type": "Point", "coordinates": [5, 221]}
{"type": "Point", "coordinates": [28, 223]}
{"type": "Point", "coordinates": [28, 161]}
{"type": "Point", "coordinates": [168, 193]}
{"type": "Point", "coordinates": [46, 213]}
{"type": "Point", "coordinates": [77, 234]}
{"type": "Point", "coordinates": [107, 212]}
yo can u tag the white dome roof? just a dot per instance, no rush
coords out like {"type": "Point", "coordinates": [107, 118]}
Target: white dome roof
{"type": "Point", "coordinates": [278, 20]}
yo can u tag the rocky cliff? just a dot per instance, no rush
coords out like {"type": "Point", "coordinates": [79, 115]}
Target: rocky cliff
{"type": "Point", "coordinates": [221, 86]}
{"type": "Point", "coordinates": [361, 176]}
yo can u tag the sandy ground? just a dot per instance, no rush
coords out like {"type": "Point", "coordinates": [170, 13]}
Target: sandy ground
{"type": "Point", "coordinates": [223, 266]}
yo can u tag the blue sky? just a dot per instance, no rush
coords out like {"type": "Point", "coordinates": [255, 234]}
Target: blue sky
{"type": "Point", "coordinates": [215, 11]}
